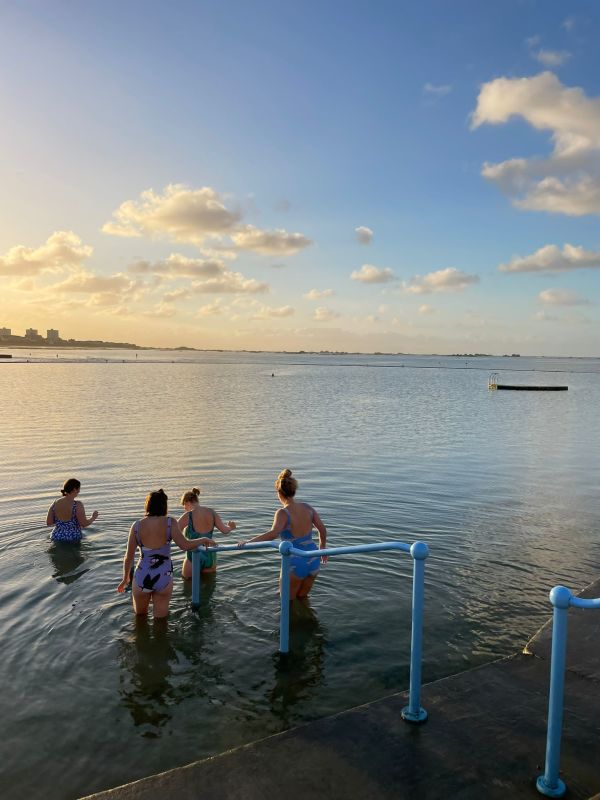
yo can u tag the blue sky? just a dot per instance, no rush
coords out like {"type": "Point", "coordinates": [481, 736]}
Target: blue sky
{"type": "Point", "coordinates": [311, 119]}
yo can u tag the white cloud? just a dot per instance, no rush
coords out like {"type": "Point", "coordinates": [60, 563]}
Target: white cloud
{"type": "Point", "coordinates": [230, 283]}
{"type": "Point", "coordinates": [89, 283]}
{"type": "Point", "coordinates": [62, 251]}
{"type": "Point", "coordinates": [211, 309]}
{"type": "Point", "coordinates": [437, 91]}
{"type": "Point", "coordinates": [180, 214]}
{"type": "Point", "coordinates": [370, 274]}
{"type": "Point", "coordinates": [323, 314]}
{"type": "Point", "coordinates": [363, 234]}
{"type": "Point", "coordinates": [552, 58]}
{"type": "Point", "coordinates": [569, 24]}
{"type": "Point", "coordinates": [269, 243]}
{"type": "Point", "coordinates": [165, 310]}
{"type": "Point", "coordinates": [316, 294]}
{"type": "Point", "coordinates": [266, 312]}
{"type": "Point", "coordinates": [566, 182]}
{"type": "Point", "coordinates": [443, 280]}
{"type": "Point", "coordinates": [425, 309]}
{"type": "Point", "coordinates": [561, 297]}
{"type": "Point", "coordinates": [176, 294]}
{"type": "Point", "coordinates": [177, 266]}
{"type": "Point", "coordinates": [551, 258]}
{"type": "Point", "coordinates": [543, 316]}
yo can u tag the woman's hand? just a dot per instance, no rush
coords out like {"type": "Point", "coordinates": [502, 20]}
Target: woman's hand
{"type": "Point", "coordinates": [123, 585]}
{"type": "Point", "coordinates": [94, 516]}
{"type": "Point", "coordinates": [205, 543]}
{"type": "Point", "coordinates": [231, 524]}
{"type": "Point", "coordinates": [324, 559]}
{"type": "Point", "coordinates": [242, 544]}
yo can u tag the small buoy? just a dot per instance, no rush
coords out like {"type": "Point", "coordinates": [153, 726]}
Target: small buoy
{"type": "Point", "coordinates": [272, 374]}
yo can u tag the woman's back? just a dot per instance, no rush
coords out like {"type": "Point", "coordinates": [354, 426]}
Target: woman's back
{"type": "Point", "coordinates": [63, 508]}
{"type": "Point", "coordinates": [301, 519]}
{"type": "Point", "coordinates": [203, 519]}
{"type": "Point", "coordinates": [153, 532]}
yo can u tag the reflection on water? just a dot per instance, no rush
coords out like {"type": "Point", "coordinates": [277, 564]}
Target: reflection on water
{"type": "Point", "coordinates": [67, 559]}
{"type": "Point", "coordinates": [300, 673]}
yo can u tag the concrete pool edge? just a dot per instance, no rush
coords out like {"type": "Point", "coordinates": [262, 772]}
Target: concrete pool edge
{"type": "Point", "coordinates": [485, 737]}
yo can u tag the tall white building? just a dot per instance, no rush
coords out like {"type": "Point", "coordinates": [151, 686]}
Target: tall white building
{"type": "Point", "coordinates": [31, 333]}
{"type": "Point", "coordinates": [5, 332]}
{"type": "Point", "coordinates": [52, 336]}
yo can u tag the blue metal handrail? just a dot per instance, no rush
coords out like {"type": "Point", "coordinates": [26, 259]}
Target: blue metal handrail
{"type": "Point", "coordinates": [561, 598]}
{"type": "Point", "coordinates": [418, 551]}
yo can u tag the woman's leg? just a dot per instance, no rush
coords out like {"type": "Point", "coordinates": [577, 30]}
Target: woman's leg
{"type": "Point", "coordinates": [295, 584]}
{"type": "Point", "coordinates": [160, 601]}
{"type": "Point", "coordinates": [305, 587]}
{"type": "Point", "coordinates": [141, 600]}
{"type": "Point", "coordinates": [186, 570]}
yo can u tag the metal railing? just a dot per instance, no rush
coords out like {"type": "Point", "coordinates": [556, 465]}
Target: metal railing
{"type": "Point", "coordinates": [561, 598]}
{"type": "Point", "coordinates": [418, 551]}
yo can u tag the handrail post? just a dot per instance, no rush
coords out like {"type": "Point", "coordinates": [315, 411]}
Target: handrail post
{"type": "Point", "coordinates": [284, 592]}
{"type": "Point", "coordinates": [413, 711]}
{"type": "Point", "coordinates": [196, 569]}
{"type": "Point", "coordinates": [549, 783]}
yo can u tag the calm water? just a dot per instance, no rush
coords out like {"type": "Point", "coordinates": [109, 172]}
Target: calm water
{"type": "Point", "coordinates": [503, 487]}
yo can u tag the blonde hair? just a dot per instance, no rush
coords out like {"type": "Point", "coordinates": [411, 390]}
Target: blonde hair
{"type": "Point", "coordinates": [286, 484]}
{"type": "Point", "coordinates": [190, 497]}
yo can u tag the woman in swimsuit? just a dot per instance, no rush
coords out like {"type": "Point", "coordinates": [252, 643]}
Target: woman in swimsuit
{"type": "Point", "coordinates": [67, 514]}
{"type": "Point", "coordinates": [199, 518]}
{"type": "Point", "coordinates": [153, 577]}
{"type": "Point", "coordinates": [294, 523]}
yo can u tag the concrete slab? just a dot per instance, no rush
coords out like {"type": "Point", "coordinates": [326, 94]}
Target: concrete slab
{"type": "Point", "coordinates": [485, 738]}
{"type": "Point", "coordinates": [583, 642]}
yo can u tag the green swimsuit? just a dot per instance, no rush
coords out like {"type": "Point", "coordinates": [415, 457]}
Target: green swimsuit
{"type": "Point", "coordinates": [207, 560]}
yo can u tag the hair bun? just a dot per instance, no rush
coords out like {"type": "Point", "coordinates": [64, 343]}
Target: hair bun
{"type": "Point", "coordinates": [161, 491]}
{"type": "Point", "coordinates": [62, 491]}
{"type": "Point", "coordinates": [286, 473]}
{"type": "Point", "coordinates": [196, 491]}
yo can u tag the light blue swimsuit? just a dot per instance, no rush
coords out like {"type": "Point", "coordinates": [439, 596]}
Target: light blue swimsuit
{"type": "Point", "coordinates": [300, 566]}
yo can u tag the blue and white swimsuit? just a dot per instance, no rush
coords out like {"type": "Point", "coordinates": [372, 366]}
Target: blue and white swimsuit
{"type": "Point", "coordinates": [69, 531]}
{"type": "Point", "coordinates": [300, 566]}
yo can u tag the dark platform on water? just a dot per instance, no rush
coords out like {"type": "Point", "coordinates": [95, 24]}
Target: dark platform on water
{"type": "Point", "coordinates": [532, 388]}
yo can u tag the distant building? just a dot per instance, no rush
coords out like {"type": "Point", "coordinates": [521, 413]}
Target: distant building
{"type": "Point", "coordinates": [5, 332]}
{"type": "Point", "coordinates": [31, 333]}
{"type": "Point", "coordinates": [52, 336]}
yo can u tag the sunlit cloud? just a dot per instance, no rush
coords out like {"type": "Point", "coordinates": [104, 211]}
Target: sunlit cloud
{"type": "Point", "coordinates": [443, 280]}
{"type": "Point", "coordinates": [371, 274]}
{"type": "Point", "coordinates": [323, 314]}
{"type": "Point", "coordinates": [63, 250]}
{"type": "Point", "coordinates": [230, 283]}
{"type": "Point", "coordinates": [211, 309]}
{"type": "Point", "coordinates": [364, 235]}
{"type": "Point", "coordinates": [425, 309]}
{"type": "Point", "coordinates": [317, 294]}
{"type": "Point", "coordinates": [180, 214]}
{"type": "Point", "coordinates": [89, 282]}
{"type": "Point", "coordinates": [561, 297]}
{"type": "Point", "coordinates": [164, 310]}
{"type": "Point", "coordinates": [552, 58]}
{"type": "Point", "coordinates": [269, 243]}
{"type": "Point", "coordinates": [566, 182]}
{"type": "Point", "coordinates": [177, 266]}
{"type": "Point", "coordinates": [551, 258]}
{"type": "Point", "coordinates": [266, 312]}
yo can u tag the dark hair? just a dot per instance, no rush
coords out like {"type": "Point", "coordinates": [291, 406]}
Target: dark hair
{"type": "Point", "coordinates": [156, 504]}
{"type": "Point", "coordinates": [285, 484]}
{"type": "Point", "coordinates": [69, 486]}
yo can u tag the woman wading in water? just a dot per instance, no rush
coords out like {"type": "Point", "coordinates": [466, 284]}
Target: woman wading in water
{"type": "Point", "coordinates": [153, 577]}
{"type": "Point", "coordinates": [294, 523]}
{"type": "Point", "coordinates": [67, 514]}
{"type": "Point", "coordinates": [196, 519]}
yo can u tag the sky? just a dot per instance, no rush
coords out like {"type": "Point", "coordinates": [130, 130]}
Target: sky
{"type": "Point", "coordinates": [274, 175]}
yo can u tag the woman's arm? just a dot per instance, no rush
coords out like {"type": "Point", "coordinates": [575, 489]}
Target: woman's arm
{"type": "Point", "coordinates": [318, 523]}
{"type": "Point", "coordinates": [188, 544]}
{"type": "Point", "coordinates": [279, 521]}
{"type": "Point", "coordinates": [220, 525]}
{"type": "Point", "coordinates": [128, 560]}
{"type": "Point", "coordinates": [50, 519]}
{"type": "Point", "coordinates": [83, 521]}
{"type": "Point", "coordinates": [183, 521]}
